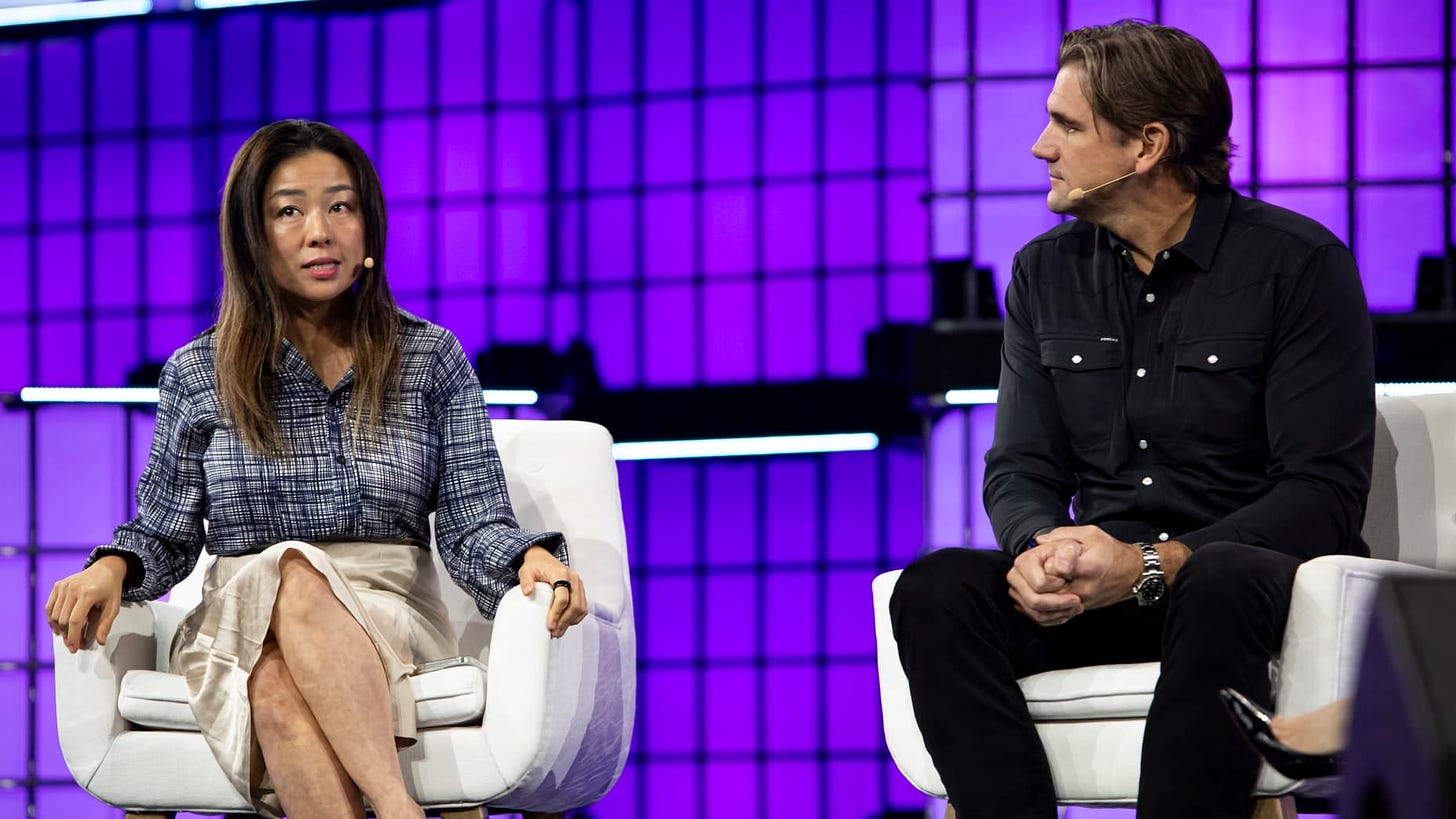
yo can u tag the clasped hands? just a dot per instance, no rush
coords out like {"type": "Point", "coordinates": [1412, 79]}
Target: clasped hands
{"type": "Point", "coordinates": [1072, 569]}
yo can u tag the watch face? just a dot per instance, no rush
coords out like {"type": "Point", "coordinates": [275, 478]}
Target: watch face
{"type": "Point", "coordinates": [1151, 590]}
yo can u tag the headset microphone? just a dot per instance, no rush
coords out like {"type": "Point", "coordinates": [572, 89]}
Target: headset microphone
{"type": "Point", "coordinates": [1078, 193]}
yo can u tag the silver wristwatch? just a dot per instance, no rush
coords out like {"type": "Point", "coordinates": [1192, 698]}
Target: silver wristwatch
{"type": "Point", "coordinates": [1151, 586]}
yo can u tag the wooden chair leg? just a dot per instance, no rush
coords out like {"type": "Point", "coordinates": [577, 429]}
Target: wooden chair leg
{"type": "Point", "coordinates": [949, 811]}
{"type": "Point", "coordinates": [157, 815]}
{"type": "Point", "coordinates": [1274, 807]}
{"type": "Point", "coordinates": [463, 813]}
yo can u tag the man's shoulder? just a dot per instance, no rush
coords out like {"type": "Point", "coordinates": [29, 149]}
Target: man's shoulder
{"type": "Point", "coordinates": [1049, 253]}
{"type": "Point", "coordinates": [1279, 226]}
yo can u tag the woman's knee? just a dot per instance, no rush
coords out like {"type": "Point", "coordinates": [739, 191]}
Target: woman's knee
{"type": "Point", "coordinates": [301, 587]}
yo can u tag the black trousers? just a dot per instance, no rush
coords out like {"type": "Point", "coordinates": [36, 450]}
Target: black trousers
{"type": "Point", "coordinates": [963, 646]}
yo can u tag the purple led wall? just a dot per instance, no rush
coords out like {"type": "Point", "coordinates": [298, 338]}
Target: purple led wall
{"type": "Point", "coordinates": [724, 191]}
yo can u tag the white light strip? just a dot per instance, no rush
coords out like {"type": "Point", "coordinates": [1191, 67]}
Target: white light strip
{"type": "Point", "coordinates": [968, 398]}
{"type": "Point", "coordinates": [148, 395]}
{"type": "Point", "coordinates": [1416, 388]}
{"type": "Point", "coordinates": [511, 398]}
{"type": "Point", "coordinates": [744, 447]}
{"type": "Point", "coordinates": [965, 398]}
{"type": "Point", "coordinates": [232, 4]}
{"type": "Point", "coordinates": [61, 12]}
{"type": "Point", "coordinates": [88, 395]}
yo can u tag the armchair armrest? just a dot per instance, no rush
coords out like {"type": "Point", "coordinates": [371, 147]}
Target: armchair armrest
{"type": "Point", "coordinates": [559, 713]}
{"type": "Point", "coordinates": [88, 682]}
{"type": "Point", "coordinates": [1329, 614]}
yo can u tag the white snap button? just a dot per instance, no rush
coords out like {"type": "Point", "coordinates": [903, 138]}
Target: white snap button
{"type": "Point", "coordinates": [1162, 536]}
{"type": "Point", "coordinates": [1213, 359]}
{"type": "Point", "coordinates": [1141, 372]}
{"type": "Point", "coordinates": [1147, 481]}
{"type": "Point", "coordinates": [1076, 359]}
{"type": "Point", "coordinates": [1166, 254]}
{"type": "Point", "coordinates": [1150, 298]}
{"type": "Point", "coordinates": [1143, 444]}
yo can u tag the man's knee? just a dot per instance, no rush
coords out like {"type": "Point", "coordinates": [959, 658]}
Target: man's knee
{"type": "Point", "coordinates": [1227, 574]}
{"type": "Point", "coordinates": [948, 576]}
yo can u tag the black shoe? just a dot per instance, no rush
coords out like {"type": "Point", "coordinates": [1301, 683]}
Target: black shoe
{"type": "Point", "coordinates": [1255, 723]}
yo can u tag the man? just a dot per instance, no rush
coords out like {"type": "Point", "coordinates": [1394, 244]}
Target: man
{"type": "Point", "coordinates": [1192, 370]}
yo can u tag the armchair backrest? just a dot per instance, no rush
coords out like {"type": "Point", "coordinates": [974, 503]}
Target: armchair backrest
{"type": "Point", "coordinates": [1411, 515]}
{"type": "Point", "coordinates": [562, 477]}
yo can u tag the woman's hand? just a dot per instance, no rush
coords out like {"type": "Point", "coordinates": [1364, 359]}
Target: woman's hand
{"type": "Point", "coordinates": [96, 588]}
{"type": "Point", "coordinates": [568, 593]}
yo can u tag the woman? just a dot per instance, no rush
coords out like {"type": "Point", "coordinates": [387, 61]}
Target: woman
{"type": "Point", "coordinates": [315, 428]}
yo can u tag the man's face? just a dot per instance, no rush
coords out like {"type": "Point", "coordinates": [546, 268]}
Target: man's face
{"type": "Point", "coordinates": [1081, 150]}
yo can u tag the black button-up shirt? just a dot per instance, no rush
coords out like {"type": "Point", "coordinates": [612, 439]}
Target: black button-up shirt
{"type": "Point", "coordinates": [1228, 395]}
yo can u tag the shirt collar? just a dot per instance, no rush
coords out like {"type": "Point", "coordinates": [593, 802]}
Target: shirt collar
{"type": "Point", "coordinates": [1201, 242]}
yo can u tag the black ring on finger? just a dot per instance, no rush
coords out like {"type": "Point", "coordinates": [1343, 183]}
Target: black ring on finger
{"type": "Point", "coordinates": [562, 584]}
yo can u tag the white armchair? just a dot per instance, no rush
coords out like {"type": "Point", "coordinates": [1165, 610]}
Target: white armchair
{"type": "Point", "coordinates": [1091, 719]}
{"type": "Point", "coordinates": [546, 728]}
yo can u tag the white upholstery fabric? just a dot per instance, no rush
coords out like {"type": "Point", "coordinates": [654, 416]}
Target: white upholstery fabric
{"type": "Point", "coordinates": [1091, 719]}
{"type": "Point", "coordinates": [449, 696]}
{"type": "Point", "coordinates": [551, 734]}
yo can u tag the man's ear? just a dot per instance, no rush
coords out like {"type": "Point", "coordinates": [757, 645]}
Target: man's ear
{"type": "Point", "coordinates": [1153, 145]}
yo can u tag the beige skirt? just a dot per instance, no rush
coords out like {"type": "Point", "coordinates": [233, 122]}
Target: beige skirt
{"type": "Point", "coordinates": [390, 588]}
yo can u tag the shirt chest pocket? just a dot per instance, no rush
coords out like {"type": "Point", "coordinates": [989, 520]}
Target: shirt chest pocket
{"type": "Point", "coordinates": [1088, 376]}
{"type": "Point", "coordinates": [1219, 383]}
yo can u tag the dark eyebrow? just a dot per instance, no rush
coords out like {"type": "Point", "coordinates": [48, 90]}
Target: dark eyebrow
{"type": "Point", "coordinates": [297, 192]}
{"type": "Point", "coordinates": [1064, 120]}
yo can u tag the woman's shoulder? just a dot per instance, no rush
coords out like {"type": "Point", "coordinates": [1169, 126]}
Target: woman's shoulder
{"type": "Point", "coordinates": [194, 361]}
{"type": "Point", "coordinates": [422, 337]}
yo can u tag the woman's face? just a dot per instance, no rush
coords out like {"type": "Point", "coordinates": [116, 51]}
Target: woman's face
{"type": "Point", "coordinates": [315, 230]}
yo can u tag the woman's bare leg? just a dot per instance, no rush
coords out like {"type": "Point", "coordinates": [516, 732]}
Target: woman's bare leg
{"type": "Point", "coordinates": [310, 781]}
{"type": "Point", "coordinates": [1321, 731]}
{"type": "Point", "coordinates": [337, 670]}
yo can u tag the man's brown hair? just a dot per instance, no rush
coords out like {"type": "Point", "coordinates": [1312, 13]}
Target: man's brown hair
{"type": "Point", "coordinates": [1139, 73]}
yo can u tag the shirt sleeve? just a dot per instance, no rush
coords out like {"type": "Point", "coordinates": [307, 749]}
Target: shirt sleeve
{"type": "Point", "coordinates": [476, 531]}
{"type": "Point", "coordinates": [1319, 408]}
{"type": "Point", "coordinates": [161, 544]}
{"type": "Point", "coordinates": [1027, 486]}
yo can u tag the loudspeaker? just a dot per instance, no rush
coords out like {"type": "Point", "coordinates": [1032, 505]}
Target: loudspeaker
{"type": "Point", "coordinates": [1401, 760]}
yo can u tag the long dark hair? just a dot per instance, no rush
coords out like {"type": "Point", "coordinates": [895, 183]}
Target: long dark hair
{"type": "Point", "coordinates": [251, 318]}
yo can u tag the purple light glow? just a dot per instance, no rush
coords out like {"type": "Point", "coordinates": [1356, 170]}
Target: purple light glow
{"type": "Point", "coordinates": [1396, 226]}
{"type": "Point", "coordinates": [169, 56]}
{"type": "Point", "coordinates": [791, 317]}
{"type": "Point", "coordinates": [729, 47]}
{"type": "Point", "coordinates": [733, 718]}
{"type": "Point", "coordinates": [1293, 32]}
{"type": "Point", "coordinates": [729, 528]}
{"type": "Point", "coordinates": [15, 703]}
{"type": "Point", "coordinates": [1302, 127]}
{"type": "Point", "coordinates": [669, 535]}
{"type": "Point", "coordinates": [459, 24]}
{"type": "Point", "coordinates": [1398, 32]}
{"type": "Point", "coordinates": [463, 155]}
{"type": "Point", "coordinates": [731, 332]}
{"type": "Point", "coordinates": [293, 90]}
{"type": "Point", "coordinates": [519, 65]}
{"type": "Point", "coordinates": [1102, 12]}
{"type": "Point", "coordinates": [1395, 135]}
